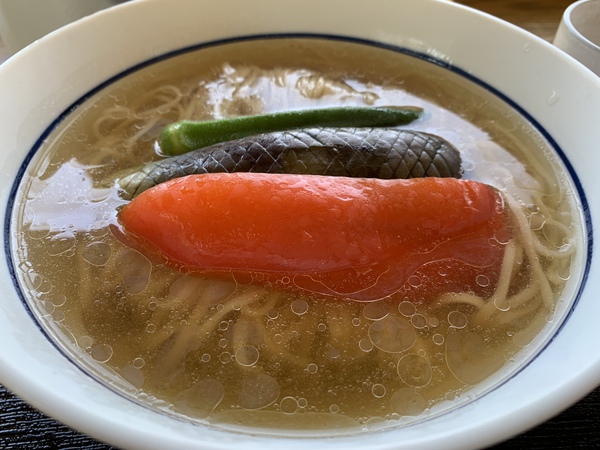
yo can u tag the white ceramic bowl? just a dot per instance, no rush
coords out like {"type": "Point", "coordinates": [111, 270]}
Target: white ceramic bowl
{"type": "Point", "coordinates": [41, 82]}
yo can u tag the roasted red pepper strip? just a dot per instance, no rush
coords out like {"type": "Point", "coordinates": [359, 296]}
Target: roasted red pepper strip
{"type": "Point", "coordinates": [357, 238]}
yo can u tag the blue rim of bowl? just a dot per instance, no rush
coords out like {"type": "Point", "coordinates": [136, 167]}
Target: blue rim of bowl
{"type": "Point", "coordinates": [398, 49]}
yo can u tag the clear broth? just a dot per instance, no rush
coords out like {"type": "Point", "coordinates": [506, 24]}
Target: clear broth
{"type": "Point", "coordinates": [242, 357]}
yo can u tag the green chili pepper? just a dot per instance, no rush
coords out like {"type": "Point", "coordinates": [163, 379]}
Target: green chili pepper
{"type": "Point", "coordinates": [185, 136]}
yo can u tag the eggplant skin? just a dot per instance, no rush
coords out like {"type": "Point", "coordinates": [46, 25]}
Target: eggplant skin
{"type": "Point", "coordinates": [384, 153]}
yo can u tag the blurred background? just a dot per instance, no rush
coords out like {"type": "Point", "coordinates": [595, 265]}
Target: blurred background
{"type": "Point", "coordinates": [24, 21]}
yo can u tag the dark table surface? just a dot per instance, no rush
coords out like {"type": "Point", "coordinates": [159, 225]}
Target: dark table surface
{"type": "Point", "coordinates": [22, 427]}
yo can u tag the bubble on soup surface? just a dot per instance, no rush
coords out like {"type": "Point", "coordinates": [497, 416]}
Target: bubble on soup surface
{"type": "Point", "coordinates": [407, 402]}
{"type": "Point", "coordinates": [470, 358]}
{"type": "Point", "coordinates": [201, 399]}
{"type": "Point", "coordinates": [258, 391]}
{"type": "Point", "coordinates": [414, 370]}
{"type": "Point", "coordinates": [392, 334]}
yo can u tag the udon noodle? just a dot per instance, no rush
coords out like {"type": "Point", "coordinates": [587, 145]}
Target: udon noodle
{"type": "Point", "coordinates": [230, 353]}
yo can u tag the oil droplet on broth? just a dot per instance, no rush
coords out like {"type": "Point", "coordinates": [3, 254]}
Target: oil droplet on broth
{"type": "Point", "coordinates": [482, 280]}
{"type": "Point", "coordinates": [375, 310]}
{"type": "Point", "coordinates": [225, 357]}
{"type": "Point", "coordinates": [299, 306]}
{"type": "Point", "coordinates": [312, 368]}
{"type": "Point", "coordinates": [407, 402]}
{"type": "Point", "coordinates": [135, 269]}
{"type": "Point", "coordinates": [378, 390]}
{"type": "Point", "coordinates": [60, 243]}
{"type": "Point", "coordinates": [38, 231]}
{"type": "Point", "coordinates": [102, 353]}
{"type": "Point", "coordinates": [456, 319]}
{"type": "Point", "coordinates": [414, 370]}
{"type": "Point", "coordinates": [247, 355]}
{"type": "Point", "coordinates": [56, 298]}
{"type": "Point", "coordinates": [201, 399]}
{"type": "Point", "coordinates": [469, 358]}
{"type": "Point", "coordinates": [133, 375]}
{"type": "Point", "coordinates": [257, 391]}
{"type": "Point", "coordinates": [392, 334]}
{"type": "Point", "coordinates": [138, 363]}
{"type": "Point", "coordinates": [288, 405]}
{"type": "Point", "coordinates": [418, 321]}
{"type": "Point", "coordinates": [407, 308]}
{"type": "Point", "coordinates": [85, 342]}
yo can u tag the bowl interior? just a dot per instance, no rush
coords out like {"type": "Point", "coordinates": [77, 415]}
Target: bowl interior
{"type": "Point", "coordinates": [82, 64]}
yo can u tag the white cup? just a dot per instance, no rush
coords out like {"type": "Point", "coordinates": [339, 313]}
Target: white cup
{"type": "Point", "coordinates": [24, 21]}
{"type": "Point", "coordinates": [579, 33]}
